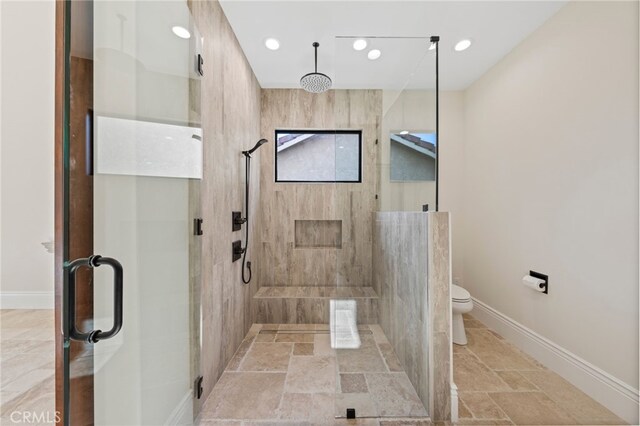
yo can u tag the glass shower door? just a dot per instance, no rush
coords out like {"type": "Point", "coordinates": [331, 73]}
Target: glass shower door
{"type": "Point", "coordinates": [133, 163]}
{"type": "Point", "coordinates": [382, 363]}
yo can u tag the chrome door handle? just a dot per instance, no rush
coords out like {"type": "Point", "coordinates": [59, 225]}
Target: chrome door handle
{"type": "Point", "coordinates": [70, 329]}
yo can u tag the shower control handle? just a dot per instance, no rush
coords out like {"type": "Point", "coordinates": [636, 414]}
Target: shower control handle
{"type": "Point", "coordinates": [237, 221]}
{"type": "Point", "coordinates": [236, 250]}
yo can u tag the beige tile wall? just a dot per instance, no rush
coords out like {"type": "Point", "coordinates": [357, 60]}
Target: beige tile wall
{"type": "Point", "coordinates": [402, 290]}
{"type": "Point", "coordinates": [411, 277]}
{"type": "Point", "coordinates": [231, 123]}
{"type": "Point", "coordinates": [283, 203]}
{"type": "Point", "coordinates": [438, 314]}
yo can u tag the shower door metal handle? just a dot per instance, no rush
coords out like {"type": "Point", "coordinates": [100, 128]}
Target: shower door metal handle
{"type": "Point", "coordinates": [70, 329]}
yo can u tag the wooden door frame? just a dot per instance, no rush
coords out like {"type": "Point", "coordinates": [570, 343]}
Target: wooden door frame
{"type": "Point", "coordinates": [59, 202]}
{"type": "Point", "coordinates": [73, 235]}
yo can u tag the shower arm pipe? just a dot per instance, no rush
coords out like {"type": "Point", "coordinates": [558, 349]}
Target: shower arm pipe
{"type": "Point", "coordinates": [316, 45]}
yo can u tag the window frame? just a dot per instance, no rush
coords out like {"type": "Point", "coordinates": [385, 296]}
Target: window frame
{"type": "Point", "coordinates": [323, 131]}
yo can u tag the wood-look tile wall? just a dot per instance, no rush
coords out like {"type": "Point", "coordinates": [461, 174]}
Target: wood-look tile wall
{"type": "Point", "coordinates": [400, 279]}
{"type": "Point", "coordinates": [282, 264]}
{"type": "Point", "coordinates": [439, 314]}
{"type": "Point", "coordinates": [231, 123]}
{"type": "Point", "coordinates": [412, 279]}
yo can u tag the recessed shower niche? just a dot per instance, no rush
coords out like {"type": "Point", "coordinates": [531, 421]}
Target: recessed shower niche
{"type": "Point", "coordinates": [318, 234]}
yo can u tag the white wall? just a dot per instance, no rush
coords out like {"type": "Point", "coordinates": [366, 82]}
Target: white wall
{"type": "Point", "coordinates": [451, 174]}
{"type": "Point", "coordinates": [26, 146]}
{"type": "Point", "coordinates": [550, 183]}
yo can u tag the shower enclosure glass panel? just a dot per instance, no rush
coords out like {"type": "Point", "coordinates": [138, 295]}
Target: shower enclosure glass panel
{"type": "Point", "coordinates": [134, 139]}
{"type": "Point", "coordinates": [375, 326]}
{"type": "Point", "coordinates": [409, 146]}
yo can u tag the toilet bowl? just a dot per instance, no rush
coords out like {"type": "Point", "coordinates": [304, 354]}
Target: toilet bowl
{"type": "Point", "coordinates": [461, 303]}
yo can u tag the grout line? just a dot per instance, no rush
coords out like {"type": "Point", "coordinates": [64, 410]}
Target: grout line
{"type": "Point", "coordinates": [384, 360]}
{"type": "Point", "coordinates": [284, 386]}
{"type": "Point", "coordinates": [286, 376]}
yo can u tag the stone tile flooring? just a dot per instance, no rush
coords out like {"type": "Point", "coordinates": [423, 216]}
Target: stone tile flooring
{"type": "Point", "coordinates": [289, 374]}
{"type": "Point", "coordinates": [498, 384]}
{"type": "Point", "coordinates": [27, 358]}
{"type": "Point", "coordinates": [291, 379]}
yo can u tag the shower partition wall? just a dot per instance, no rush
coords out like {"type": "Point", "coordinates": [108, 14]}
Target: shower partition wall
{"type": "Point", "coordinates": [379, 323]}
{"type": "Point", "coordinates": [132, 168]}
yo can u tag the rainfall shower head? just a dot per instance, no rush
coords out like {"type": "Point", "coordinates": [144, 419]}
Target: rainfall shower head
{"type": "Point", "coordinates": [315, 82]}
{"type": "Point", "coordinates": [258, 145]}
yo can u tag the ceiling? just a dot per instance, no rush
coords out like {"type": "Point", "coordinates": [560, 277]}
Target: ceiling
{"type": "Point", "coordinates": [495, 28]}
{"type": "Point", "coordinates": [124, 33]}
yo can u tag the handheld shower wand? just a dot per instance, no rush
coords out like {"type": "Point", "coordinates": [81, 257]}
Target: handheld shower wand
{"type": "Point", "coordinates": [245, 220]}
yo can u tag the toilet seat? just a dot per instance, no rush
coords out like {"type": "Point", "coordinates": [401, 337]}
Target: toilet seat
{"type": "Point", "coordinates": [459, 294]}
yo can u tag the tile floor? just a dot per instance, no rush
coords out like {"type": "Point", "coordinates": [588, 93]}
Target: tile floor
{"type": "Point", "coordinates": [289, 374]}
{"type": "Point", "coordinates": [498, 384]}
{"type": "Point", "coordinates": [27, 359]}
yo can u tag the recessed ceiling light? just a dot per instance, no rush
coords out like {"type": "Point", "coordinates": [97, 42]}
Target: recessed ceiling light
{"type": "Point", "coordinates": [360, 44]}
{"type": "Point", "coordinates": [272, 44]}
{"type": "Point", "coordinates": [374, 54]}
{"type": "Point", "coordinates": [181, 32]}
{"type": "Point", "coordinates": [404, 132]}
{"type": "Point", "coordinates": [462, 45]}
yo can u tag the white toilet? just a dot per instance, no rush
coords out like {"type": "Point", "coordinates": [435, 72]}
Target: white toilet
{"type": "Point", "coordinates": [461, 303]}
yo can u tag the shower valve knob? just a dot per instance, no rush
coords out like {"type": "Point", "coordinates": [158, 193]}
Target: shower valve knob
{"type": "Point", "coordinates": [237, 221]}
{"type": "Point", "coordinates": [237, 250]}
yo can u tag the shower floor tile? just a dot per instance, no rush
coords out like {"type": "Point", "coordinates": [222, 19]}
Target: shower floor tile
{"type": "Point", "coordinates": [289, 374]}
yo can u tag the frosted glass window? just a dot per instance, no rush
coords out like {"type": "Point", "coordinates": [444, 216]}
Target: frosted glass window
{"type": "Point", "coordinates": [319, 156]}
{"type": "Point", "coordinates": [144, 148]}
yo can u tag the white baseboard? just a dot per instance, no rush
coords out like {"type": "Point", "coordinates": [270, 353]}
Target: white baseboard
{"type": "Point", "coordinates": [26, 300]}
{"type": "Point", "coordinates": [183, 413]}
{"type": "Point", "coordinates": [619, 397]}
{"type": "Point", "coordinates": [454, 403]}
